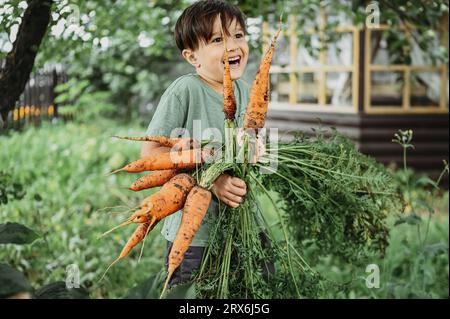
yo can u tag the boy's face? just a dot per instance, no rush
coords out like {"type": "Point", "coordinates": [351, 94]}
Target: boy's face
{"type": "Point", "coordinates": [208, 58]}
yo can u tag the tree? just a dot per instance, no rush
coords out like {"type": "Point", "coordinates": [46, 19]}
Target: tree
{"type": "Point", "coordinates": [20, 60]}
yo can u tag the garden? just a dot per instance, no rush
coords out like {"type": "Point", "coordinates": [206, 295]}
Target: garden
{"type": "Point", "coordinates": [342, 225]}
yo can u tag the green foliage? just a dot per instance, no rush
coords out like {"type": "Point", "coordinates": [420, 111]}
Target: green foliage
{"type": "Point", "coordinates": [128, 50]}
{"type": "Point", "coordinates": [9, 189]}
{"type": "Point", "coordinates": [236, 262]}
{"type": "Point", "coordinates": [12, 281]}
{"type": "Point", "coordinates": [409, 269]}
{"type": "Point", "coordinates": [240, 257]}
{"type": "Point", "coordinates": [183, 291]}
{"type": "Point", "coordinates": [81, 104]}
{"type": "Point", "coordinates": [148, 289]}
{"type": "Point", "coordinates": [425, 18]}
{"type": "Point", "coordinates": [14, 233]}
{"type": "Point", "coordinates": [64, 169]}
{"type": "Point", "coordinates": [418, 194]}
{"type": "Point", "coordinates": [343, 203]}
{"type": "Point", "coordinates": [58, 290]}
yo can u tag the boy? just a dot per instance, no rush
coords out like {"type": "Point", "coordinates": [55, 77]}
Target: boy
{"type": "Point", "coordinates": [199, 97]}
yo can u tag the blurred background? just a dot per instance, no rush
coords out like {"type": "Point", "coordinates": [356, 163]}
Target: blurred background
{"type": "Point", "coordinates": [74, 73]}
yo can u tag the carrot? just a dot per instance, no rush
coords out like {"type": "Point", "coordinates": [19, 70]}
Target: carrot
{"type": "Point", "coordinates": [163, 140]}
{"type": "Point", "coordinates": [255, 115]}
{"type": "Point", "coordinates": [170, 160]}
{"type": "Point", "coordinates": [141, 231]}
{"type": "Point", "coordinates": [154, 179]}
{"type": "Point", "coordinates": [194, 211]}
{"type": "Point", "coordinates": [229, 101]}
{"type": "Point", "coordinates": [168, 200]}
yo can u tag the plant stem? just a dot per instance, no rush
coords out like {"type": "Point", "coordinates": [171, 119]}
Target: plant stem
{"type": "Point", "coordinates": [286, 237]}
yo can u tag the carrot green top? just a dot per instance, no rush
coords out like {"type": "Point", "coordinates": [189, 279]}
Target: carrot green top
{"type": "Point", "coordinates": [190, 107]}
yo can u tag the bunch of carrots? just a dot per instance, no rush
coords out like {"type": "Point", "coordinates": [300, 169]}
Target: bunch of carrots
{"type": "Point", "coordinates": [170, 171]}
{"type": "Point", "coordinates": [179, 190]}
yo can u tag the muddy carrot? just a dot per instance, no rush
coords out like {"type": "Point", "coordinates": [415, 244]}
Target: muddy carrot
{"type": "Point", "coordinates": [255, 115]}
{"type": "Point", "coordinates": [194, 211]}
{"type": "Point", "coordinates": [163, 161]}
{"type": "Point", "coordinates": [153, 179]}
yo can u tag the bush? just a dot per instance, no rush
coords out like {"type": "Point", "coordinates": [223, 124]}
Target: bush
{"type": "Point", "coordinates": [62, 169]}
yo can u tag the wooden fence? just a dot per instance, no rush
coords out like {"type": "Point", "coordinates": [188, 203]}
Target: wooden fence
{"type": "Point", "coordinates": [37, 102]}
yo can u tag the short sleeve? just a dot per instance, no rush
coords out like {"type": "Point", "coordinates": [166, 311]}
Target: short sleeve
{"type": "Point", "coordinates": [170, 114]}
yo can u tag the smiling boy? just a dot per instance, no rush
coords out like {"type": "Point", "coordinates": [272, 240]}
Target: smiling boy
{"type": "Point", "coordinates": [198, 98]}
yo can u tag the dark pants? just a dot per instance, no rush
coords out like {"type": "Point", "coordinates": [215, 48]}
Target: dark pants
{"type": "Point", "coordinates": [193, 258]}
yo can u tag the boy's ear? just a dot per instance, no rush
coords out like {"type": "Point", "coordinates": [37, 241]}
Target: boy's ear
{"type": "Point", "coordinates": [191, 57]}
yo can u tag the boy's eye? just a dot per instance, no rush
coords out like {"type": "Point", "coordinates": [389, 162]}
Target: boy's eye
{"type": "Point", "coordinates": [217, 40]}
{"type": "Point", "coordinates": [239, 35]}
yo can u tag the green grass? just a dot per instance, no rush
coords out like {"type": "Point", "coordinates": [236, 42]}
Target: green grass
{"type": "Point", "coordinates": [63, 169]}
{"type": "Point", "coordinates": [411, 268]}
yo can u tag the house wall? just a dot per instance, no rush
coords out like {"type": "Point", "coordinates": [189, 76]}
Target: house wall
{"type": "Point", "coordinates": [373, 134]}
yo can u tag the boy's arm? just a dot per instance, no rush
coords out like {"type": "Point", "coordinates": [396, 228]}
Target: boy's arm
{"type": "Point", "coordinates": [170, 114]}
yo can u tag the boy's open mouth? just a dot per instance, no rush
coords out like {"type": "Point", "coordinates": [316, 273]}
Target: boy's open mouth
{"type": "Point", "coordinates": [234, 61]}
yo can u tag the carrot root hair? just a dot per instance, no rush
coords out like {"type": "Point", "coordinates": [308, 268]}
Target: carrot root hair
{"type": "Point", "coordinates": [150, 227]}
{"type": "Point", "coordinates": [166, 284]}
{"type": "Point", "coordinates": [109, 267]}
{"type": "Point", "coordinates": [114, 172]}
{"type": "Point", "coordinates": [130, 138]}
{"type": "Point", "coordinates": [125, 223]}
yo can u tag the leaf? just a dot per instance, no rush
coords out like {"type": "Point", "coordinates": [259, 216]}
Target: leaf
{"type": "Point", "coordinates": [183, 291]}
{"type": "Point", "coordinates": [425, 205]}
{"type": "Point", "coordinates": [58, 290]}
{"type": "Point", "coordinates": [62, 87]}
{"type": "Point", "coordinates": [411, 220]}
{"type": "Point", "coordinates": [62, 98]}
{"type": "Point", "coordinates": [433, 249]}
{"type": "Point", "coordinates": [425, 181]}
{"type": "Point", "coordinates": [12, 281]}
{"type": "Point", "coordinates": [14, 233]}
{"type": "Point", "coordinates": [149, 289]}
{"type": "Point", "coordinates": [3, 197]}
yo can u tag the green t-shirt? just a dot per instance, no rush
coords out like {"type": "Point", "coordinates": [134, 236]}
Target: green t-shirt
{"type": "Point", "coordinates": [190, 104]}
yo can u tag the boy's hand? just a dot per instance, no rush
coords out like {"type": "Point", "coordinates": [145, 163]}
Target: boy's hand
{"type": "Point", "coordinates": [229, 190]}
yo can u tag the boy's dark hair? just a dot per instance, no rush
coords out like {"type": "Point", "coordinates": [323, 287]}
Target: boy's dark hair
{"type": "Point", "coordinates": [196, 22]}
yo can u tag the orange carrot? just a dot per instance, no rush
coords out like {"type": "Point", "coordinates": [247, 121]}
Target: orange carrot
{"type": "Point", "coordinates": [168, 200]}
{"type": "Point", "coordinates": [194, 211]}
{"type": "Point", "coordinates": [163, 140]}
{"type": "Point", "coordinates": [229, 101]}
{"type": "Point", "coordinates": [141, 231]}
{"type": "Point", "coordinates": [255, 115]}
{"type": "Point", "coordinates": [170, 160]}
{"type": "Point", "coordinates": [154, 179]}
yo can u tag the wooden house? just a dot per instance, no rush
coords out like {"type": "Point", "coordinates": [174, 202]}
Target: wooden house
{"type": "Point", "coordinates": [363, 97]}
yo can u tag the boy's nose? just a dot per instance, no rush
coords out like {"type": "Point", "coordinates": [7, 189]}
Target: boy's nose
{"type": "Point", "coordinates": [231, 44]}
